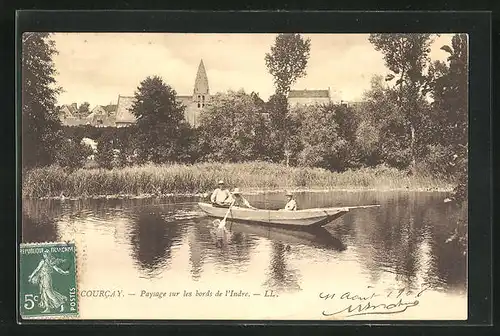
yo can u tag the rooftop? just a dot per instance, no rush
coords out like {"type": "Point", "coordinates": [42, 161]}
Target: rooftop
{"type": "Point", "coordinates": [309, 94]}
{"type": "Point", "coordinates": [123, 113]}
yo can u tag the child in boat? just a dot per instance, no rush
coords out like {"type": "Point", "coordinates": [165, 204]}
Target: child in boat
{"type": "Point", "coordinates": [291, 205]}
{"type": "Point", "coordinates": [239, 200]}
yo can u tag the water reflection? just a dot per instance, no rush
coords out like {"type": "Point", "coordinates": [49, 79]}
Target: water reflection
{"type": "Point", "coordinates": [230, 250]}
{"type": "Point", "coordinates": [280, 276]}
{"type": "Point", "coordinates": [39, 221]}
{"type": "Point", "coordinates": [317, 237]}
{"type": "Point", "coordinates": [196, 253]}
{"type": "Point", "coordinates": [405, 240]}
{"type": "Point", "coordinates": [152, 239]}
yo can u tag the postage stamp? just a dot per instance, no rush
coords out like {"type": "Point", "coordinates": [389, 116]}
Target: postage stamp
{"type": "Point", "coordinates": [47, 282]}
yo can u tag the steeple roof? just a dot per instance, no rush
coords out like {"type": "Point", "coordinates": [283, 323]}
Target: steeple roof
{"type": "Point", "coordinates": [201, 82]}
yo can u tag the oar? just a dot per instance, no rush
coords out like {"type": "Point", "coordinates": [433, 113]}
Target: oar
{"type": "Point", "coordinates": [362, 206]}
{"type": "Point", "coordinates": [223, 221]}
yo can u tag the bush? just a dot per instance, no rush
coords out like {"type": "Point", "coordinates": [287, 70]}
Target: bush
{"type": "Point", "coordinates": [72, 154]}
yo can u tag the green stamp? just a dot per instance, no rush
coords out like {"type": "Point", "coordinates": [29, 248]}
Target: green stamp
{"type": "Point", "coordinates": [47, 280]}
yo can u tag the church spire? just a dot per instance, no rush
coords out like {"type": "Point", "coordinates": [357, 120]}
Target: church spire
{"type": "Point", "coordinates": [201, 82]}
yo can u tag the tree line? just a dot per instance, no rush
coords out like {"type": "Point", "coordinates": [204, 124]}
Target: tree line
{"type": "Point", "coordinates": [413, 118]}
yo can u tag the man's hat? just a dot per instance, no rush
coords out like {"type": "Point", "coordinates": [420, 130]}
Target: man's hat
{"type": "Point", "coordinates": [236, 191]}
{"type": "Point", "coordinates": [288, 193]}
{"type": "Point", "coordinates": [221, 182]}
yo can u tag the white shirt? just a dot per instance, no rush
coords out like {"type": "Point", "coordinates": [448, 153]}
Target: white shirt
{"type": "Point", "coordinates": [220, 196]}
{"type": "Point", "coordinates": [291, 205]}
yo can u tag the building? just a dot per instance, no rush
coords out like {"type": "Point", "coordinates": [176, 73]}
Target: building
{"type": "Point", "coordinates": [100, 117]}
{"type": "Point", "coordinates": [308, 97]}
{"type": "Point", "coordinates": [67, 111]}
{"type": "Point", "coordinates": [312, 97]}
{"type": "Point", "coordinates": [194, 103]}
{"type": "Point", "coordinates": [123, 115]}
{"type": "Point", "coordinates": [68, 114]}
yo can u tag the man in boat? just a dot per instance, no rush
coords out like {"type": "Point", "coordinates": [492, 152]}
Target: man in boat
{"type": "Point", "coordinates": [291, 205]}
{"type": "Point", "coordinates": [239, 200]}
{"type": "Point", "coordinates": [221, 196]}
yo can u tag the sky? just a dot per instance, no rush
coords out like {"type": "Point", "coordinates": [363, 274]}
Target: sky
{"type": "Point", "coordinates": [97, 67]}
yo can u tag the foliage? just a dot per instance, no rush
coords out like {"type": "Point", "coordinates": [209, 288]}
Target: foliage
{"type": "Point", "coordinates": [407, 57]}
{"type": "Point", "coordinates": [287, 60]}
{"type": "Point", "coordinates": [85, 131]}
{"type": "Point", "coordinates": [232, 127]}
{"type": "Point", "coordinates": [40, 122]}
{"type": "Point", "coordinates": [84, 110]}
{"type": "Point", "coordinates": [279, 126]}
{"type": "Point", "coordinates": [413, 120]}
{"type": "Point", "coordinates": [447, 85]}
{"type": "Point", "coordinates": [381, 136]}
{"type": "Point", "coordinates": [327, 134]}
{"type": "Point", "coordinates": [160, 121]}
{"type": "Point", "coordinates": [72, 154]}
{"type": "Point", "coordinates": [200, 178]}
{"type": "Point", "coordinates": [105, 153]}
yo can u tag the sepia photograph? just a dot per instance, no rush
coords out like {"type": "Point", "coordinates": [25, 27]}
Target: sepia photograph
{"type": "Point", "coordinates": [244, 176]}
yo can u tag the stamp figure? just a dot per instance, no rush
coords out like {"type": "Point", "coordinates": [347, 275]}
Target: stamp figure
{"type": "Point", "coordinates": [48, 280]}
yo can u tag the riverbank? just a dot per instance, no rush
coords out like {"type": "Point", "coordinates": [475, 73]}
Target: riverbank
{"type": "Point", "coordinates": [150, 180]}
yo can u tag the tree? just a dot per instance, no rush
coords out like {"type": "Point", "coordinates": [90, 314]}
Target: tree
{"type": "Point", "coordinates": [160, 121]}
{"type": "Point", "coordinates": [41, 127]}
{"type": "Point", "coordinates": [326, 141]}
{"type": "Point", "coordinates": [407, 56]}
{"type": "Point", "coordinates": [447, 85]}
{"type": "Point", "coordinates": [71, 154]}
{"type": "Point", "coordinates": [230, 127]}
{"type": "Point", "coordinates": [448, 89]}
{"type": "Point", "coordinates": [381, 135]}
{"type": "Point", "coordinates": [84, 110]}
{"type": "Point", "coordinates": [280, 126]}
{"type": "Point", "coordinates": [287, 60]}
{"type": "Point", "coordinates": [105, 150]}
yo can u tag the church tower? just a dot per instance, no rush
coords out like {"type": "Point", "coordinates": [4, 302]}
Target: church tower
{"type": "Point", "coordinates": [201, 89]}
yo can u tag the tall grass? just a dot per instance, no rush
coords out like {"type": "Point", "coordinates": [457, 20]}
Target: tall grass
{"type": "Point", "coordinates": [190, 179]}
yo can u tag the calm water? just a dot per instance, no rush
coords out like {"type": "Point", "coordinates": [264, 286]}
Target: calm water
{"type": "Point", "coordinates": [170, 245]}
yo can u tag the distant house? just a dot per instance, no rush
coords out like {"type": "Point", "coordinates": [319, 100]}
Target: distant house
{"type": "Point", "coordinates": [99, 117]}
{"type": "Point", "coordinates": [68, 114]}
{"type": "Point", "coordinates": [194, 103]}
{"type": "Point", "coordinates": [124, 116]}
{"type": "Point", "coordinates": [65, 112]}
{"type": "Point", "coordinates": [110, 109]}
{"type": "Point", "coordinates": [308, 97]}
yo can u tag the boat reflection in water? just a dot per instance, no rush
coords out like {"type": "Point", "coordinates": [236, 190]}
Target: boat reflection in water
{"type": "Point", "coordinates": [281, 276]}
{"type": "Point", "coordinates": [315, 237]}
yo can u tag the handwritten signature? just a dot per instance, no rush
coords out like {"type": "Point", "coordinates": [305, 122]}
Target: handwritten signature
{"type": "Point", "coordinates": [397, 301]}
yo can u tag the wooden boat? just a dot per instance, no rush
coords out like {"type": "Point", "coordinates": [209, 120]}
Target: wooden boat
{"type": "Point", "coordinates": [306, 218]}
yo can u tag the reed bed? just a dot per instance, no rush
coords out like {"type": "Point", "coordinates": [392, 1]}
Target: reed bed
{"type": "Point", "coordinates": [150, 179]}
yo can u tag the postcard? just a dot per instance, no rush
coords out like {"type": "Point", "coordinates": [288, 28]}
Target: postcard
{"type": "Point", "coordinates": [277, 176]}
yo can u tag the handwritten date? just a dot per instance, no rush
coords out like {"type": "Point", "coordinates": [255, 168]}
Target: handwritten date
{"type": "Point", "coordinates": [389, 302]}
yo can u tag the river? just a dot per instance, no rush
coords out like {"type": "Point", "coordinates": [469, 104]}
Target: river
{"type": "Point", "coordinates": [165, 245]}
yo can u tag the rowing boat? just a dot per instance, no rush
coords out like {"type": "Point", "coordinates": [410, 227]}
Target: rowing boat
{"type": "Point", "coordinates": [306, 218]}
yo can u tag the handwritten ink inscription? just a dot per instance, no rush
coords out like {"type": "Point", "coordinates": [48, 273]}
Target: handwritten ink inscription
{"type": "Point", "coordinates": [387, 302]}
